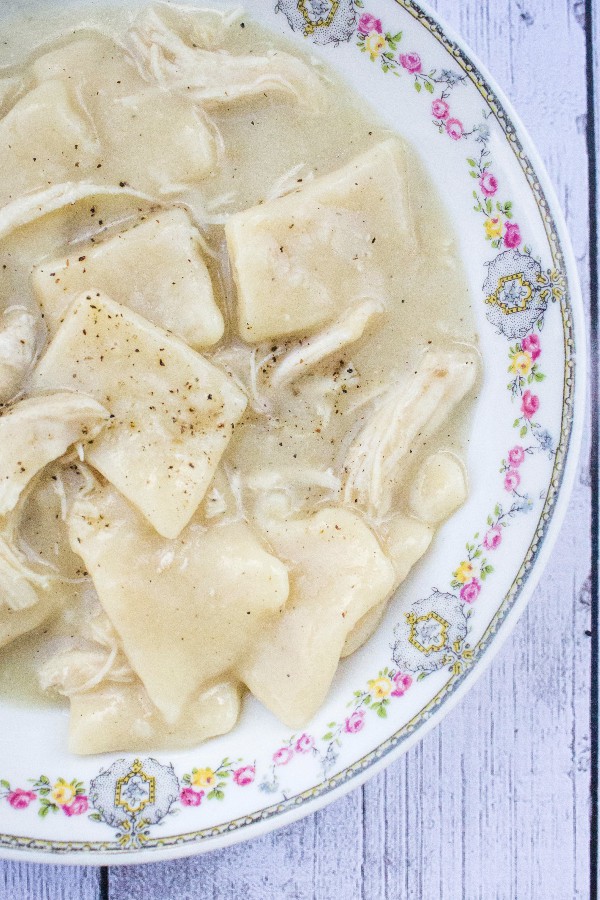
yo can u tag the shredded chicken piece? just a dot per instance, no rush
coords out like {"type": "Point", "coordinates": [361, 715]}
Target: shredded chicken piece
{"type": "Point", "coordinates": [243, 368]}
{"type": "Point", "coordinates": [80, 480]}
{"type": "Point", "coordinates": [408, 415]}
{"type": "Point", "coordinates": [212, 77]}
{"type": "Point", "coordinates": [208, 213]}
{"type": "Point", "coordinates": [205, 26]}
{"type": "Point", "coordinates": [367, 398]}
{"type": "Point", "coordinates": [34, 206]}
{"type": "Point", "coordinates": [223, 501]}
{"type": "Point", "coordinates": [346, 330]}
{"type": "Point", "coordinates": [289, 181]}
{"type": "Point", "coordinates": [18, 345]}
{"type": "Point", "coordinates": [78, 671]}
{"type": "Point", "coordinates": [19, 584]}
{"type": "Point", "coordinates": [83, 663]}
{"type": "Point", "coordinates": [100, 629]}
{"type": "Point", "coordinates": [38, 430]}
{"type": "Point", "coordinates": [235, 486]}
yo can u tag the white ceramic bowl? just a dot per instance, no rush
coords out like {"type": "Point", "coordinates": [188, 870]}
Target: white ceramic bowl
{"type": "Point", "coordinates": [462, 601]}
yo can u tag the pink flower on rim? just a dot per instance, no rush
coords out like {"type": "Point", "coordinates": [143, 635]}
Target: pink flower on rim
{"type": "Point", "coordinates": [493, 537]}
{"type": "Point", "coordinates": [530, 404]}
{"type": "Point", "coordinates": [304, 744]}
{"type": "Point", "coordinates": [512, 480]}
{"type": "Point", "coordinates": [516, 456]}
{"type": "Point", "coordinates": [440, 109]}
{"type": "Point", "coordinates": [190, 797]}
{"type": "Point", "coordinates": [244, 776]}
{"type": "Point", "coordinates": [454, 128]}
{"type": "Point", "coordinates": [470, 592]}
{"type": "Point", "coordinates": [354, 722]}
{"type": "Point", "coordinates": [411, 62]}
{"type": "Point", "coordinates": [368, 23]}
{"type": "Point", "coordinates": [282, 756]}
{"type": "Point", "coordinates": [401, 684]}
{"type": "Point", "coordinates": [20, 799]}
{"type": "Point", "coordinates": [512, 235]}
{"type": "Point", "coordinates": [488, 184]}
{"type": "Point", "coordinates": [531, 344]}
{"type": "Point", "coordinates": [77, 807]}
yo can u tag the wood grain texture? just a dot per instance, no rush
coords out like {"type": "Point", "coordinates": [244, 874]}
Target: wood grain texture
{"type": "Point", "coordinates": [493, 805]}
{"type": "Point", "coordinates": [28, 881]}
{"type": "Point", "coordinates": [593, 46]}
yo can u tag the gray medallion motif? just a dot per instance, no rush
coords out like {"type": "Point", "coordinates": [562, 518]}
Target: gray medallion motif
{"type": "Point", "coordinates": [324, 21]}
{"type": "Point", "coordinates": [515, 293]}
{"type": "Point", "coordinates": [131, 796]}
{"type": "Point", "coordinates": [431, 634]}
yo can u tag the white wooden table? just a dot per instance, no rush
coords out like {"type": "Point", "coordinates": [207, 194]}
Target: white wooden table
{"type": "Point", "coordinates": [496, 802]}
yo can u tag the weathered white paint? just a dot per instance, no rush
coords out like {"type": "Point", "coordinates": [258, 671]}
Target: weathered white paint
{"type": "Point", "coordinates": [26, 881]}
{"type": "Point", "coordinates": [493, 805]}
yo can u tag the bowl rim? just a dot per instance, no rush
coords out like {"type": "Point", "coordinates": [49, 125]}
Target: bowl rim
{"type": "Point", "coordinates": [355, 775]}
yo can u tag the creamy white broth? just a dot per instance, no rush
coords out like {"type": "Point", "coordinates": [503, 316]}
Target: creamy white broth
{"type": "Point", "coordinates": [271, 145]}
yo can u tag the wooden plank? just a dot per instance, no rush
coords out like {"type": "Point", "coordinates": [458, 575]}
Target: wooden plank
{"type": "Point", "coordinates": [27, 881]}
{"type": "Point", "coordinates": [319, 857]}
{"type": "Point", "coordinates": [494, 803]}
{"type": "Point", "coordinates": [593, 23]}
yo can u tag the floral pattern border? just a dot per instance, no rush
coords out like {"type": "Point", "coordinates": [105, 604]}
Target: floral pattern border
{"type": "Point", "coordinates": [131, 796]}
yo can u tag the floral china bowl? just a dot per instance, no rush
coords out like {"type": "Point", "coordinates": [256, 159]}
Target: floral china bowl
{"type": "Point", "coordinates": [461, 602]}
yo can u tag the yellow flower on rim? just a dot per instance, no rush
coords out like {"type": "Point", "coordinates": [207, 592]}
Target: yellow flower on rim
{"type": "Point", "coordinates": [521, 363]}
{"type": "Point", "coordinates": [493, 227]}
{"type": "Point", "coordinates": [464, 572]}
{"type": "Point", "coordinates": [380, 687]}
{"type": "Point", "coordinates": [203, 778]}
{"type": "Point", "coordinates": [374, 43]}
{"type": "Point", "coordinates": [62, 792]}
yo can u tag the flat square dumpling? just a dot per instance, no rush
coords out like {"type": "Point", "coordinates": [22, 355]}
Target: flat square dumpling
{"type": "Point", "coordinates": [153, 141]}
{"type": "Point", "coordinates": [173, 411]}
{"type": "Point", "coordinates": [156, 142]}
{"type": "Point", "coordinates": [45, 138]}
{"type": "Point", "coordinates": [155, 268]}
{"type": "Point", "coordinates": [301, 260]}
{"type": "Point", "coordinates": [120, 717]}
{"type": "Point", "coordinates": [338, 572]}
{"type": "Point", "coordinates": [185, 610]}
